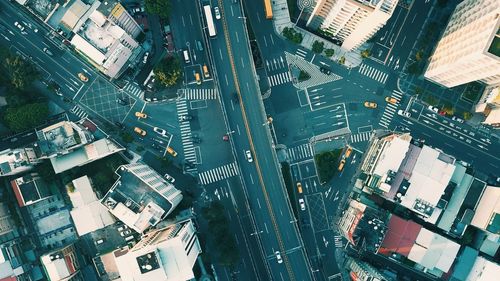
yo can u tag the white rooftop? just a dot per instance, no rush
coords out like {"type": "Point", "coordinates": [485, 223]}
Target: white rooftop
{"type": "Point", "coordinates": [484, 270]}
{"type": "Point", "coordinates": [86, 48]}
{"type": "Point", "coordinates": [393, 155]}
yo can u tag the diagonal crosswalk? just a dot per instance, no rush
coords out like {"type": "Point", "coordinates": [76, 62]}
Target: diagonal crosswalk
{"type": "Point", "coordinates": [373, 73]}
{"type": "Point", "coordinates": [317, 77]}
{"type": "Point", "coordinates": [219, 173]}
{"type": "Point", "coordinates": [187, 142]}
{"type": "Point", "coordinates": [78, 111]}
{"type": "Point", "coordinates": [365, 136]}
{"type": "Point", "coordinates": [134, 89]}
{"type": "Point", "coordinates": [200, 94]}
{"type": "Point", "coordinates": [390, 110]}
{"type": "Point", "coordinates": [300, 152]}
{"type": "Point", "coordinates": [280, 78]}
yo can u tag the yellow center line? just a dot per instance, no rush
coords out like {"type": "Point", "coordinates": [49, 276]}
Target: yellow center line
{"type": "Point", "coordinates": [247, 128]}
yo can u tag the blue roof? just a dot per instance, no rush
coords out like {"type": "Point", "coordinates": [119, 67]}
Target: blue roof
{"type": "Point", "coordinates": [464, 265]}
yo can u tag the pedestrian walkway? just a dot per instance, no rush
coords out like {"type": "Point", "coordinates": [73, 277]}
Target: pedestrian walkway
{"type": "Point", "coordinates": [300, 152]}
{"type": "Point", "coordinates": [390, 110]}
{"type": "Point", "coordinates": [200, 94]}
{"type": "Point", "coordinates": [134, 90]}
{"type": "Point", "coordinates": [280, 78]}
{"type": "Point", "coordinates": [338, 241]}
{"type": "Point", "coordinates": [78, 111]}
{"type": "Point", "coordinates": [219, 173]}
{"type": "Point", "coordinates": [373, 73]}
{"type": "Point", "coordinates": [317, 77]}
{"type": "Point", "coordinates": [301, 53]}
{"type": "Point", "coordinates": [365, 136]}
{"type": "Point", "coordinates": [187, 142]}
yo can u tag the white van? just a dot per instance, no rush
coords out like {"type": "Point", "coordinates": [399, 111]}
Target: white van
{"type": "Point", "coordinates": [186, 56]}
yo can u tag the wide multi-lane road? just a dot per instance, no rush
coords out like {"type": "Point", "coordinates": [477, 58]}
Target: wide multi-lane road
{"type": "Point", "coordinates": [274, 221]}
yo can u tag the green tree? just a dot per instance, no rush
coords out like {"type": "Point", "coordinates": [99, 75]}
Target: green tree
{"type": "Point", "coordinates": [25, 117]}
{"type": "Point", "coordinates": [168, 71]}
{"type": "Point", "coordinates": [419, 55]}
{"type": "Point", "coordinates": [22, 73]}
{"type": "Point", "coordinates": [342, 60]}
{"type": "Point", "coordinates": [292, 35]}
{"type": "Point", "coordinates": [329, 52]}
{"type": "Point", "coordinates": [327, 163]}
{"type": "Point", "coordinates": [162, 8]}
{"type": "Point", "coordinates": [467, 115]}
{"type": "Point", "coordinates": [419, 91]}
{"type": "Point", "coordinates": [448, 109]}
{"type": "Point", "coordinates": [365, 53]}
{"type": "Point", "coordinates": [318, 47]}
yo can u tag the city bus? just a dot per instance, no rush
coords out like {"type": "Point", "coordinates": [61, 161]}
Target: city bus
{"type": "Point", "coordinates": [269, 9]}
{"type": "Point", "coordinates": [210, 21]}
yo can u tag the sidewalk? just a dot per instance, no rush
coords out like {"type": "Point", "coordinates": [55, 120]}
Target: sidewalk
{"type": "Point", "coordinates": [281, 19]}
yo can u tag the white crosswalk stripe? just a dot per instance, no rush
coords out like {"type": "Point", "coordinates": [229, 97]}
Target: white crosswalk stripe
{"type": "Point", "coordinates": [390, 110]}
{"type": "Point", "coordinates": [134, 90]}
{"type": "Point", "coordinates": [338, 241]}
{"type": "Point", "coordinates": [361, 137]}
{"type": "Point", "coordinates": [187, 142]}
{"type": "Point", "coordinates": [301, 53]}
{"type": "Point", "coordinates": [280, 78]}
{"type": "Point", "coordinates": [78, 111]}
{"type": "Point", "coordinates": [317, 77]}
{"type": "Point", "coordinates": [373, 73]}
{"type": "Point", "coordinates": [300, 152]}
{"type": "Point", "coordinates": [219, 173]}
{"type": "Point", "coordinates": [200, 94]}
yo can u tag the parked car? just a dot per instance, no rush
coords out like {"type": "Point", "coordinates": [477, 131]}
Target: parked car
{"type": "Point", "coordinates": [325, 70]}
{"type": "Point", "coordinates": [169, 178]}
{"type": "Point", "coordinates": [299, 187]}
{"type": "Point", "coordinates": [248, 155]}
{"type": "Point", "coordinates": [369, 104]}
{"type": "Point", "coordinates": [302, 204]}
{"type": "Point", "coordinates": [225, 138]}
{"type": "Point", "coordinates": [141, 115]}
{"type": "Point", "coordinates": [459, 120]}
{"type": "Point", "coordinates": [433, 109]}
{"type": "Point", "coordinates": [404, 113]}
{"type": "Point", "coordinates": [145, 58]}
{"type": "Point", "coordinates": [18, 25]}
{"type": "Point", "coordinates": [83, 77]}
{"type": "Point", "coordinates": [217, 13]}
{"type": "Point", "coordinates": [126, 232]}
{"type": "Point", "coordinates": [140, 131]}
{"type": "Point", "coordinates": [47, 51]}
{"type": "Point", "coordinates": [391, 100]}
{"type": "Point", "coordinates": [160, 131]}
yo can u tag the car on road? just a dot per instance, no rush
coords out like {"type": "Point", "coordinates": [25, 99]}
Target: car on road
{"type": "Point", "coordinates": [341, 165]}
{"type": "Point", "coordinates": [404, 113]}
{"type": "Point", "coordinates": [217, 13]}
{"type": "Point", "coordinates": [433, 109]}
{"type": "Point", "coordinates": [83, 77]}
{"type": "Point", "coordinates": [171, 151]}
{"type": "Point", "coordinates": [248, 155]}
{"type": "Point", "coordinates": [186, 117]}
{"type": "Point", "coordinates": [325, 70]}
{"type": "Point", "coordinates": [47, 51]}
{"type": "Point", "coordinates": [18, 25]}
{"type": "Point", "coordinates": [169, 178]}
{"type": "Point", "coordinates": [140, 131]}
{"type": "Point", "coordinates": [141, 115]}
{"type": "Point", "coordinates": [145, 58]}
{"type": "Point", "coordinates": [302, 204]}
{"type": "Point", "coordinates": [278, 257]}
{"type": "Point", "coordinates": [121, 101]}
{"type": "Point", "coordinates": [225, 138]}
{"type": "Point", "coordinates": [160, 131]}
{"type": "Point", "coordinates": [391, 100]}
{"type": "Point", "coordinates": [370, 104]}
{"type": "Point", "coordinates": [299, 187]}
{"type": "Point", "coordinates": [459, 120]}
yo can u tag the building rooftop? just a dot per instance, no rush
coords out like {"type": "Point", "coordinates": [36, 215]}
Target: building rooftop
{"type": "Point", "coordinates": [484, 270]}
{"type": "Point", "coordinates": [61, 264]}
{"type": "Point", "coordinates": [16, 161]}
{"type": "Point", "coordinates": [61, 138]}
{"type": "Point", "coordinates": [133, 200]}
{"type": "Point", "coordinates": [88, 213]}
{"type": "Point", "coordinates": [400, 236]}
{"type": "Point", "coordinates": [487, 214]}
{"type": "Point", "coordinates": [29, 189]}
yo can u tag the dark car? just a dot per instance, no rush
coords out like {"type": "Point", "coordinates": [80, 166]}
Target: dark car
{"type": "Point", "coordinates": [325, 70]}
{"type": "Point", "coordinates": [195, 139]}
{"type": "Point", "coordinates": [186, 117]}
{"type": "Point", "coordinates": [121, 101]}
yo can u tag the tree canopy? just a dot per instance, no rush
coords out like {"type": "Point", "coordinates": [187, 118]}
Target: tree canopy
{"type": "Point", "coordinates": [168, 71]}
{"type": "Point", "coordinates": [161, 8]}
{"type": "Point", "coordinates": [318, 47]}
{"type": "Point", "coordinates": [26, 116]}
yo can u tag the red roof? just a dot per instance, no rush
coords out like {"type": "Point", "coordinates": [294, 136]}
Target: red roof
{"type": "Point", "coordinates": [17, 192]}
{"type": "Point", "coordinates": [9, 279]}
{"type": "Point", "coordinates": [400, 236]}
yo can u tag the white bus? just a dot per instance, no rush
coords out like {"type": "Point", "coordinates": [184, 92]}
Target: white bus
{"type": "Point", "coordinates": [210, 21]}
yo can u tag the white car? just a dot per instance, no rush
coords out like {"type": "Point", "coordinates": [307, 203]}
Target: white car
{"type": "Point", "coordinates": [433, 109]}
{"type": "Point", "coordinates": [248, 154]}
{"type": "Point", "coordinates": [145, 58]}
{"type": "Point", "coordinates": [459, 120]}
{"type": "Point", "coordinates": [302, 204]}
{"type": "Point", "coordinates": [169, 178]}
{"type": "Point", "coordinates": [404, 113]}
{"type": "Point", "coordinates": [217, 13]}
{"type": "Point", "coordinates": [18, 25]}
{"type": "Point", "coordinates": [278, 257]}
{"type": "Point", "coordinates": [160, 131]}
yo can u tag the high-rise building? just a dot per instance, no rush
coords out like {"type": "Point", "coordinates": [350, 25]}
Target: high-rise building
{"type": "Point", "coordinates": [351, 21]}
{"type": "Point", "coordinates": [469, 49]}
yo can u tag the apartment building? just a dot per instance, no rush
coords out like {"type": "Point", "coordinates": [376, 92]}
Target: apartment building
{"type": "Point", "coordinates": [469, 49]}
{"type": "Point", "coordinates": [489, 106]}
{"type": "Point", "coordinates": [351, 22]}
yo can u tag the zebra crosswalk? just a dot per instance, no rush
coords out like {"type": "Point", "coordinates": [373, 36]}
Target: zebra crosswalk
{"type": "Point", "coordinates": [317, 77]}
{"type": "Point", "coordinates": [187, 142]}
{"type": "Point", "coordinates": [78, 111]}
{"type": "Point", "coordinates": [219, 173]}
{"type": "Point", "coordinates": [360, 137]}
{"type": "Point", "coordinates": [390, 110]}
{"type": "Point", "coordinates": [135, 90]}
{"type": "Point", "coordinates": [301, 53]}
{"type": "Point", "coordinates": [373, 73]}
{"type": "Point", "coordinates": [338, 241]}
{"type": "Point", "coordinates": [200, 94]}
{"type": "Point", "coordinates": [300, 152]}
{"type": "Point", "coordinates": [280, 78]}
